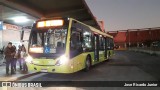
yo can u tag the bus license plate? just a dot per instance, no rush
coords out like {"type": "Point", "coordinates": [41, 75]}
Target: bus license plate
{"type": "Point", "coordinates": [43, 70]}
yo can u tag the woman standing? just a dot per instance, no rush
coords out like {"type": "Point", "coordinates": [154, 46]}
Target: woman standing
{"type": "Point", "coordinates": [23, 54]}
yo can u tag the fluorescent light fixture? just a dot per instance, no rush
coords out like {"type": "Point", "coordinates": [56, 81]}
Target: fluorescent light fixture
{"type": "Point", "coordinates": [20, 19]}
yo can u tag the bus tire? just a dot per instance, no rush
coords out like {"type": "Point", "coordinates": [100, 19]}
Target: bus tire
{"type": "Point", "coordinates": [88, 63]}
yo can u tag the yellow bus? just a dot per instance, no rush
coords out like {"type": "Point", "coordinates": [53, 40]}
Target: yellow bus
{"type": "Point", "coordinates": [66, 45]}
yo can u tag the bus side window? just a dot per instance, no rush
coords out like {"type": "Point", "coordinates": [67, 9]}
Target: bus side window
{"type": "Point", "coordinates": [73, 41]}
{"type": "Point", "coordinates": [87, 43]}
{"type": "Point", "coordinates": [76, 44]}
{"type": "Point", "coordinates": [108, 44]}
{"type": "Point", "coordinates": [111, 44]}
{"type": "Point", "coordinates": [101, 42]}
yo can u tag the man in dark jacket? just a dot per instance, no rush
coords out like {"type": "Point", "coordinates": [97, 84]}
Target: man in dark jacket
{"type": "Point", "coordinates": [9, 55]}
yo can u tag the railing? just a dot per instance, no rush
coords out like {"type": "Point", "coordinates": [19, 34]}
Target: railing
{"type": "Point", "coordinates": [2, 50]}
{"type": "Point", "coordinates": [149, 50]}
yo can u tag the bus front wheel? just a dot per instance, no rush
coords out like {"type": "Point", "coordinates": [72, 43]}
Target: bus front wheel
{"type": "Point", "coordinates": [87, 64]}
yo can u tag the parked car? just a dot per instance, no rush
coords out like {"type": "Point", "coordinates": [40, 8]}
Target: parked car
{"type": "Point", "coordinates": [156, 44]}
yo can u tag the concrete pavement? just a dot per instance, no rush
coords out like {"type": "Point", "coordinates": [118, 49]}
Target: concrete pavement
{"type": "Point", "coordinates": [144, 50]}
{"type": "Point", "coordinates": [19, 74]}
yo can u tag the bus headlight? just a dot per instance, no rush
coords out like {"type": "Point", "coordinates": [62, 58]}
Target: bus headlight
{"type": "Point", "coordinates": [29, 59]}
{"type": "Point", "coordinates": [62, 60]}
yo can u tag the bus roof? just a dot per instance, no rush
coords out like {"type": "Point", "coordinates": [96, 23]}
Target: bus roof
{"type": "Point", "coordinates": [94, 29]}
{"type": "Point", "coordinates": [77, 9]}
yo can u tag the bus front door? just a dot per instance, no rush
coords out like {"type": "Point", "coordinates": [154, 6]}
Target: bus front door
{"type": "Point", "coordinates": [105, 49]}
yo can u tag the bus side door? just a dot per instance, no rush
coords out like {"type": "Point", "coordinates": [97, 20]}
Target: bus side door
{"type": "Point", "coordinates": [96, 47]}
{"type": "Point", "coordinates": [76, 49]}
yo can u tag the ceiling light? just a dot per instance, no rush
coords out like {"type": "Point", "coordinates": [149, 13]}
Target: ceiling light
{"type": "Point", "coordinates": [20, 19]}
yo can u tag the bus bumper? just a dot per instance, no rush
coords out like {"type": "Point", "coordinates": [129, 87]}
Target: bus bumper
{"type": "Point", "coordinates": [49, 69]}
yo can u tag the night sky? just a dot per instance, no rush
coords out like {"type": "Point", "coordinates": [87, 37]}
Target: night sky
{"type": "Point", "coordinates": [126, 14]}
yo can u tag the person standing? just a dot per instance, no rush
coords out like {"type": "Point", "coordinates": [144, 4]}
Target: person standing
{"type": "Point", "coordinates": [15, 57]}
{"type": "Point", "coordinates": [23, 54]}
{"type": "Point", "coordinates": [19, 57]}
{"type": "Point", "coordinates": [9, 54]}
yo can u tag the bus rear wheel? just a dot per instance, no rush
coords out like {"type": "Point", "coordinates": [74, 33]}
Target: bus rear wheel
{"type": "Point", "coordinates": [87, 64]}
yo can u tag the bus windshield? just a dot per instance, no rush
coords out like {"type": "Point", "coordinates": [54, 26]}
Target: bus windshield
{"type": "Point", "coordinates": [50, 41]}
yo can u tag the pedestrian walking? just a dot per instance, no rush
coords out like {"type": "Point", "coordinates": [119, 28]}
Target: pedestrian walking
{"type": "Point", "coordinates": [9, 55]}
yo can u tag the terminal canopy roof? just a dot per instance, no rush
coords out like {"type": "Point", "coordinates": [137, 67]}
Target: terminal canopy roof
{"type": "Point", "coordinates": [77, 9]}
